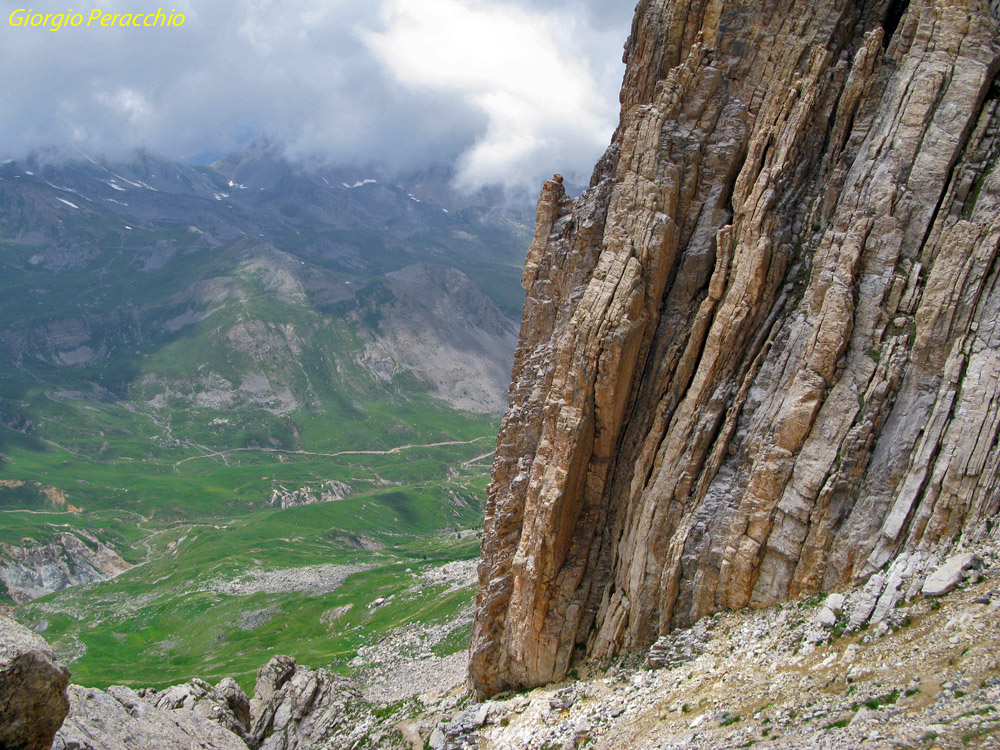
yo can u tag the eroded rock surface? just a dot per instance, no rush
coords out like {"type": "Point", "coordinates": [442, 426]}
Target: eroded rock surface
{"type": "Point", "coordinates": [33, 699]}
{"type": "Point", "coordinates": [120, 719]}
{"type": "Point", "coordinates": [760, 356]}
{"type": "Point", "coordinates": [949, 575]}
{"type": "Point", "coordinates": [434, 322]}
{"type": "Point", "coordinates": [328, 492]}
{"type": "Point", "coordinates": [33, 570]}
{"type": "Point", "coordinates": [298, 707]}
{"type": "Point", "coordinates": [225, 704]}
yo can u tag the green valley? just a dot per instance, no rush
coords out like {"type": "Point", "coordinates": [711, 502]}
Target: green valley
{"type": "Point", "coordinates": [229, 429]}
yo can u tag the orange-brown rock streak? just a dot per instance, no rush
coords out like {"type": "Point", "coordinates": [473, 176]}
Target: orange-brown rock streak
{"type": "Point", "coordinates": [760, 357]}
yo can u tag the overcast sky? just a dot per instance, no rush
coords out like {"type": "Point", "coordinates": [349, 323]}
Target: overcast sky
{"type": "Point", "coordinates": [508, 90]}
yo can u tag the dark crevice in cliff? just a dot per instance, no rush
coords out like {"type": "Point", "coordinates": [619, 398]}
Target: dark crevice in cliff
{"type": "Point", "coordinates": [960, 156]}
{"type": "Point", "coordinates": [991, 102]}
{"type": "Point", "coordinates": [893, 15]}
{"type": "Point", "coordinates": [946, 189]}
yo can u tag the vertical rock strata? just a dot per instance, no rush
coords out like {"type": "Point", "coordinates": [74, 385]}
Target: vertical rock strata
{"type": "Point", "coordinates": [760, 356]}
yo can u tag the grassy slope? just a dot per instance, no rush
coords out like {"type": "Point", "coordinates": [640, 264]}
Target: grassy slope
{"type": "Point", "coordinates": [146, 477]}
{"type": "Point", "coordinates": [157, 624]}
{"type": "Point", "coordinates": [143, 477]}
{"type": "Point", "coordinates": [166, 621]}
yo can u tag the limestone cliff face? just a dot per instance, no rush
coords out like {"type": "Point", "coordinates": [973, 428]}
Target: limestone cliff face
{"type": "Point", "coordinates": [760, 357]}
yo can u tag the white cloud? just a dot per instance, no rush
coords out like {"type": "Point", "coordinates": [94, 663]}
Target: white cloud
{"type": "Point", "coordinates": [126, 103]}
{"type": "Point", "coordinates": [509, 90]}
{"type": "Point", "coordinates": [510, 63]}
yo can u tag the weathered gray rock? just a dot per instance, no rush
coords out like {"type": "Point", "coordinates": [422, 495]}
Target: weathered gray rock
{"type": "Point", "coordinates": [679, 646]}
{"type": "Point", "coordinates": [835, 603]}
{"type": "Point", "coordinates": [226, 704]}
{"type": "Point", "coordinates": [120, 719]}
{"type": "Point", "coordinates": [890, 595]}
{"type": "Point", "coordinates": [33, 699]}
{"type": "Point", "coordinates": [949, 575]}
{"type": "Point", "coordinates": [327, 492]}
{"type": "Point", "coordinates": [235, 700]}
{"type": "Point", "coordinates": [298, 707]}
{"type": "Point", "coordinates": [826, 618]}
{"type": "Point", "coordinates": [462, 731]}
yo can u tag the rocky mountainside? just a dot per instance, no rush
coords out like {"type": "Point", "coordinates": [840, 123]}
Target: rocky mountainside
{"type": "Point", "coordinates": [293, 706]}
{"type": "Point", "coordinates": [759, 357]}
{"type": "Point", "coordinates": [833, 671]}
{"type": "Point", "coordinates": [439, 326]}
{"type": "Point", "coordinates": [106, 263]}
{"type": "Point", "coordinates": [796, 675]}
{"type": "Point", "coordinates": [157, 318]}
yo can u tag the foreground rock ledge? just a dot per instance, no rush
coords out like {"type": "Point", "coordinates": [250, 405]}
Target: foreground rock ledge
{"type": "Point", "coordinates": [760, 357]}
{"type": "Point", "coordinates": [33, 699]}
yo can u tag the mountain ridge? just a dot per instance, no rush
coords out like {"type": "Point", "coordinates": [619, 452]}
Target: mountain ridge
{"type": "Point", "coordinates": [151, 248]}
{"type": "Point", "coordinates": [158, 318]}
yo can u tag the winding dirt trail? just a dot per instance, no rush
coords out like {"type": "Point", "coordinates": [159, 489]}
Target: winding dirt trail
{"type": "Point", "coordinates": [386, 452]}
{"type": "Point", "coordinates": [222, 456]}
{"type": "Point", "coordinates": [477, 459]}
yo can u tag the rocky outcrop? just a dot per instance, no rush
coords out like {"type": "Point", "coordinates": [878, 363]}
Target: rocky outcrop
{"type": "Point", "coordinates": [33, 700]}
{"type": "Point", "coordinates": [760, 356]}
{"type": "Point", "coordinates": [225, 704]}
{"type": "Point", "coordinates": [298, 707]}
{"type": "Point", "coordinates": [39, 710]}
{"type": "Point", "coordinates": [120, 719]}
{"type": "Point", "coordinates": [949, 575]}
{"type": "Point", "coordinates": [293, 707]}
{"type": "Point", "coordinates": [33, 570]}
{"type": "Point", "coordinates": [328, 492]}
